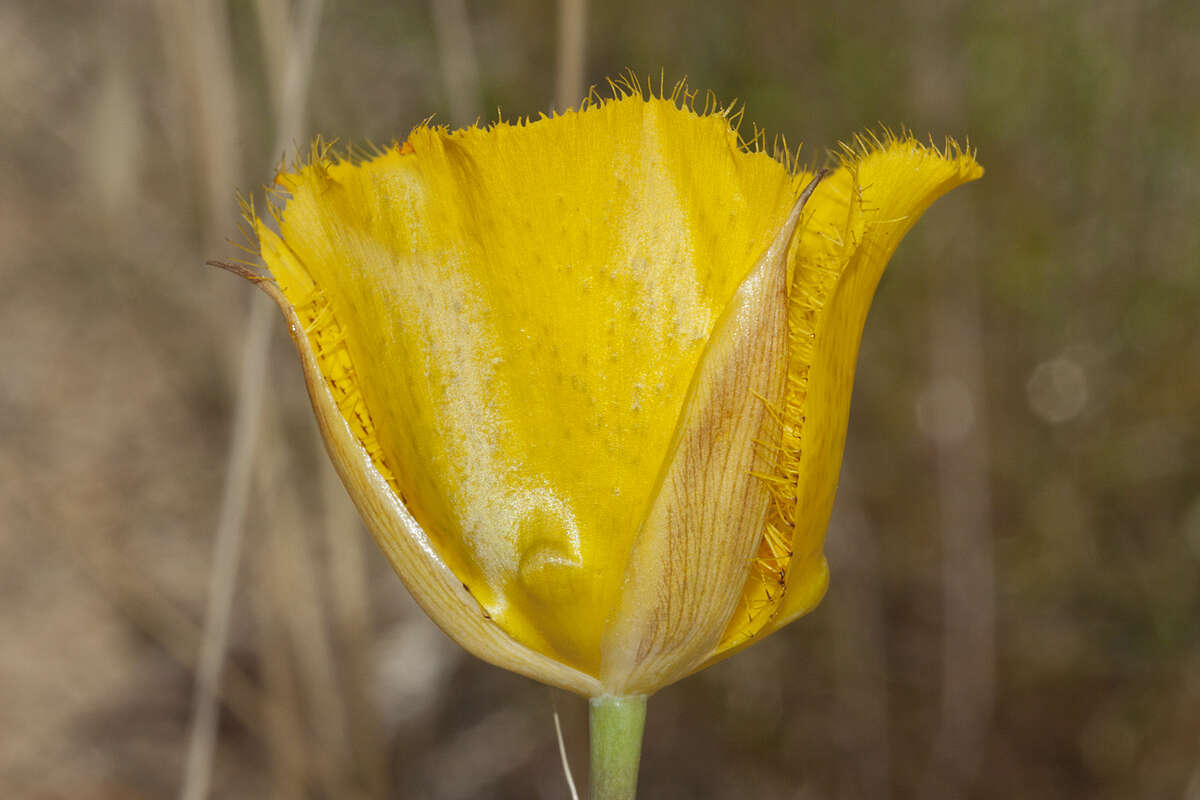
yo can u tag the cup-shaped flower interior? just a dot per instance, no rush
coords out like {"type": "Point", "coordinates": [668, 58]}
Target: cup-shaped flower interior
{"type": "Point", "coordinates": [515, 337]}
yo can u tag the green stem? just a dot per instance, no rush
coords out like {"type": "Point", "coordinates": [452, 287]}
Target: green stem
{"type": "Point", "coordinates": [616, 725]}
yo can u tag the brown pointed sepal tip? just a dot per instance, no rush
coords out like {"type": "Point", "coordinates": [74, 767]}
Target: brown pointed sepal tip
{"type": "Point", "coordinates": [241, 270]}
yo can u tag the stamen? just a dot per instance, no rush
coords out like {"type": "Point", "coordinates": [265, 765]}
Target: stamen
{"type": "Point", "coordinates": [328, 340]}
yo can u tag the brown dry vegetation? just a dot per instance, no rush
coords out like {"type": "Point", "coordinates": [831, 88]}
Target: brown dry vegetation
{"type": "Point", "coordinates": [1015, 608]}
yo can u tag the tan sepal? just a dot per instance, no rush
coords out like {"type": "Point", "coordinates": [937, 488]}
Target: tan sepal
{"type": "Point", "coordinates": [432, 584]}
{"type": "Point", "coordinates": [690, 562]}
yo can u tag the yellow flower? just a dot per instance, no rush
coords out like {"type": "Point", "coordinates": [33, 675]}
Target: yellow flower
{"type": "Point", "coordinates": [587, 378]}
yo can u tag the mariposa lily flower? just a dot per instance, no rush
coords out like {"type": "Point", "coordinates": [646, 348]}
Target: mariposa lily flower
{"type": "Point", "coordinates": [587, 377]}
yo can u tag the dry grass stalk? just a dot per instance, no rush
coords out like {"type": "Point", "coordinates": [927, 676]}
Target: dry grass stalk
{"type": "Point", "coordinates": [572, 42]}
{"type": "Point", "coordinates": [217, 88]}
{"type": "Point", "coordinates": [456, 53]}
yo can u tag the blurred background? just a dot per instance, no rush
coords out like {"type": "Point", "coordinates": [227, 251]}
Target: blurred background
{"type": "Point", "coordinates": [1015, 604]}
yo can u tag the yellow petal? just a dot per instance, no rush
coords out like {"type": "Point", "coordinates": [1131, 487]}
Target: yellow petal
{"type": "Point", "coordinates": [524, 309]}
{"type": "Point", "coordinates": [693, 553]}
{"type": "Point", "coordinates": [585, 385]}
{"type": "Point", "coordinates": [345, 427]}
{"type": "Point", "coordinates": [859, 214]}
